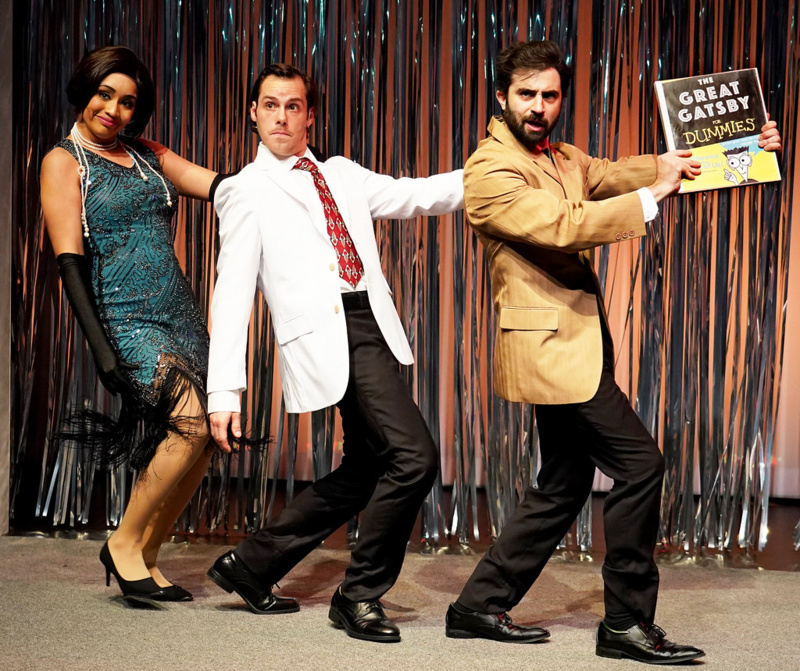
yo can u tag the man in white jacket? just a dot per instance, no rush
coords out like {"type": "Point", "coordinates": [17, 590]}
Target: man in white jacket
{"type": "Point", "coordinates": [301, 231]}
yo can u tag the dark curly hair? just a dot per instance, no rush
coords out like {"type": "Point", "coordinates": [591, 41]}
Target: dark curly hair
{"type": "Point", "coordinates": [96, 66]}
{"type": "Point", "coordinates": [536, 56]}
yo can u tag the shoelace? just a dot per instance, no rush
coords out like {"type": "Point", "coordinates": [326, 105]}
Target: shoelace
{"type": "Point", "coordinates": [658, 632]}
{"type": "Point", "coordinates": [505, 619]}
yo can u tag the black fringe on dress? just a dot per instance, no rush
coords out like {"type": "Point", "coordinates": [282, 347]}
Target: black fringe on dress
{"type": "Point", "coordinates": [134, 436]}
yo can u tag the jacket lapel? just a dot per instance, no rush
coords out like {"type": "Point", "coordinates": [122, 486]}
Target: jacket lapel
{"type": "Point", "coordinates": [287, 183]}
{"type": "Point", "coordinates": [500, 132]}
{"type": "Point", "coordinates": [547, 166]}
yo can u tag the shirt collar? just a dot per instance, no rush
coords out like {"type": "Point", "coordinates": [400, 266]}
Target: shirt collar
{"type": "Point", "coordinates": [269, 160]}
{"type": "Point", "coordinates": [544, 147]}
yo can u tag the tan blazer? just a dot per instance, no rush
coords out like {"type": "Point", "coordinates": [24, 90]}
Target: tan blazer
{"type": "Point", "coordinates": [537, 221]}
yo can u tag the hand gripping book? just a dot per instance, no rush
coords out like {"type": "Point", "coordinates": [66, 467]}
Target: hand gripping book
{"type": "Point", "coordinates": [719, 117]}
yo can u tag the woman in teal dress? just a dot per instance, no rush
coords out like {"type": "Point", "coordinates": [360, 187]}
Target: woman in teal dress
{"type": "Point", "coordinates": [108, 200]}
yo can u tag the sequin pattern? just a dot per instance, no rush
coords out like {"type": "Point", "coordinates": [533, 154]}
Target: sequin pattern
{"type": "Point", "coordinates": [144, 300]}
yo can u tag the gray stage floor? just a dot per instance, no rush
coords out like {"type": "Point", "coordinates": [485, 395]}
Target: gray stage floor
{"type": "Point", "coordinates": [57, 613]}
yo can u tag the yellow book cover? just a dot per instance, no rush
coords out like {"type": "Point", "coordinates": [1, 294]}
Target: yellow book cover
{"type": "Point", "coordinates": [719, 117]}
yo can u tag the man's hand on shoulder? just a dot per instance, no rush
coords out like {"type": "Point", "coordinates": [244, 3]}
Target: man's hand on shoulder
{"type": "Point", "coordinates": [219, 423]}
{"type": "Point", "coordinates": [671, 167]}
{"type": "Point", "coordinates": [770, 138]}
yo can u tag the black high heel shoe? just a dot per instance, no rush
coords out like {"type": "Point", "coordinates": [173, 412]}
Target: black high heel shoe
{"type": "Point", "coordinates": [176, 593]}
{"type": "Point", "coordinates": [146, 589]}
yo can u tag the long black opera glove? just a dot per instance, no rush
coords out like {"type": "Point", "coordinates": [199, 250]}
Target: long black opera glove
{"type": "Point", "coordinates": [217, 181]}
{"type": "Point", "coordinates": [74, 271]}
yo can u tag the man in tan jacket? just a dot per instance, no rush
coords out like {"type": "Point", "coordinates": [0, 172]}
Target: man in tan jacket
{"type": "Point", "coordinates": [539, 210]}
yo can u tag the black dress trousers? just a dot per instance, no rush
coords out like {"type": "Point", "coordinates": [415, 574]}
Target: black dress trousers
{"type": "Point", "coordinates": [389, 464]}
{"type": "Point", "coordinates": [606, 433]}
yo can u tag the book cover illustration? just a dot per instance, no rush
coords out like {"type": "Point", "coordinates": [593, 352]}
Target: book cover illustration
{"type": "Point", "coordinates": [719, 117]}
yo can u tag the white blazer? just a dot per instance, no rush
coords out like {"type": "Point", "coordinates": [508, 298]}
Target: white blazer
{"type": "Point", "coordinates": [273, 236]}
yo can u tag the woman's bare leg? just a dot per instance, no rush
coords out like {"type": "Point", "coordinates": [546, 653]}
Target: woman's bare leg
{"type": "Point", "coordinates": [173, 460]}
{"type": "Point", "coordinates": [162, 523]}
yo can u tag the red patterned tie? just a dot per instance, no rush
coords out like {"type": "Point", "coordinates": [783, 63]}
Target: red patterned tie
{"type": "Point", "coordinates": [350, 266]}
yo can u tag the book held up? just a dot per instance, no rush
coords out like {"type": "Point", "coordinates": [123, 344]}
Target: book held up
{"type": "Point", "coordinates": [719, 118]}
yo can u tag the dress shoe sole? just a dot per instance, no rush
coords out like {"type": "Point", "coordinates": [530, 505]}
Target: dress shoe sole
{"type": "Point", "coordinates": [228, 586]}
{"type": "Point", "coordinates": [463, 633]}
{"type": "Point", "coordinates": [613, 653]}
{"type": "Point", "coordinates": [339, 623]}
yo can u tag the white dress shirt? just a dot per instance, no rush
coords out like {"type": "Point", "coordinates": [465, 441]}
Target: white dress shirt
{"type": "Point", "coordinates": [649, 204]}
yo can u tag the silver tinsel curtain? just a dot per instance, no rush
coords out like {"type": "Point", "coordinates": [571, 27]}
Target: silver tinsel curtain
{"type": "Point", "coordinates": [407, 89]}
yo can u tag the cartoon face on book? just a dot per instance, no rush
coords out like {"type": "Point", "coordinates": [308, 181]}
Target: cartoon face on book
{"type": "Point", "coordinates": [739, 160]}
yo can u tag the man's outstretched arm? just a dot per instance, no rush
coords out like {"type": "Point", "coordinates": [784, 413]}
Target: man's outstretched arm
{"type": "Point", "coordinates": [503, 204]}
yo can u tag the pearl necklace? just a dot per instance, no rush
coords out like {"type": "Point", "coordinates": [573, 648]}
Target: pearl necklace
{"type": "Point", "coordinates": [93, 145]}
{"type": "Point", "coordinates": [80, 143]}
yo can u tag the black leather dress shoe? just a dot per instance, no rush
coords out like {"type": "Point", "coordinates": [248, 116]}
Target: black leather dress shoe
{"type": "Point", "coordinates": [232, 575]}
{"type": "Point", "coordinates": [463, 623]}
{"type": "Point", "coordinates": [362, 619]}
{"type": "Point", "coordinates": [643, 643]}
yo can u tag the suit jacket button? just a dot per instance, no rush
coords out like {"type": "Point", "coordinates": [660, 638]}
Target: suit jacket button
{"type": "Point", "coordinates": [618, 236]}
{"type": "Point", "coordinates": [625, 236]}
{"type": "Point", "coordinates": [336, 309]}
{"type": "Point", "coordinates": [632, 234]}
{"type": "Point", "coordinates": [332, 266]}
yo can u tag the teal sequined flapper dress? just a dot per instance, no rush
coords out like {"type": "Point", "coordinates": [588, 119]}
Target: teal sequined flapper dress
{"type": "Point", "coordinates": [144, 302]}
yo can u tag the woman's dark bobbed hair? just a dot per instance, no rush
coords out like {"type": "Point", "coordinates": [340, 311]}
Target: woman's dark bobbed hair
{"type": "Point", "coordinates": [96, 66]}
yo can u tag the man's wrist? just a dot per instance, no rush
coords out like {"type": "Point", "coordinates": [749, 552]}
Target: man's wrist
{"type": "Point", "coordinates": [224, 401]}
{"type": "Point", "coordinates": [649, 203]}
